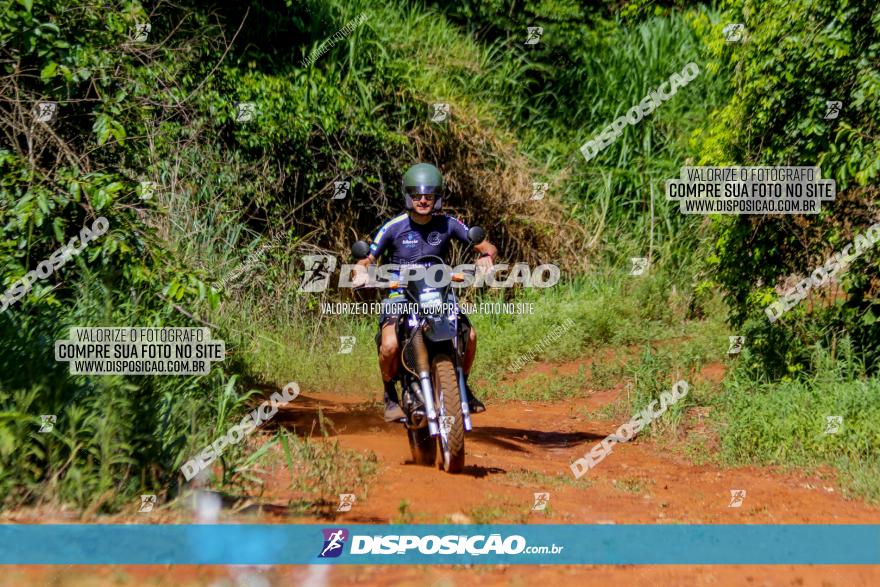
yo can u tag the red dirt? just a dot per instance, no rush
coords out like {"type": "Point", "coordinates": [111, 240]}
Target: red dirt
{"type": "Point", "coordinates": [639, 482]}
{"type": "Point", "coordinates": [546, 439]}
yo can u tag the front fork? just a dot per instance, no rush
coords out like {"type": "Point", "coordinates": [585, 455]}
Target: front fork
{"type": "Point", "coordinates": [424, 370]}
{"type": "Point", "coordinates": [460, 346]}
{"type": "Point", "coordinates": [462, 392]}
{"type": "Point", "coordinates": [428, 394]}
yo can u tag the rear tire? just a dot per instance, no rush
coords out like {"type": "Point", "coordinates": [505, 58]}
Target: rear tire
{"type": "Point", "coordinates": [448, 401]}
{"type": "Point", "coordinates": [423, 446]}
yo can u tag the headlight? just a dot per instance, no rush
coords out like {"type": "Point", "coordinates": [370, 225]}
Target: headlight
{"type": "Point", "coordinates": [430, 300]}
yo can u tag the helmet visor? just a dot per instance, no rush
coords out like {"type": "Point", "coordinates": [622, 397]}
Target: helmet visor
{"type": "Point", "coordinates": [422, 189]}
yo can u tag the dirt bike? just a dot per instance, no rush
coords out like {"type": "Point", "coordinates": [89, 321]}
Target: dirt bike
{"type": "Point", "coordinates": [432, 344]}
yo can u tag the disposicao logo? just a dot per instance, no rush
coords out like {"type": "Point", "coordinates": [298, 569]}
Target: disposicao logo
{"type": "Point", "coordinates": [405, 544]}
{"type": "Point", "coordinates": [334, 541]}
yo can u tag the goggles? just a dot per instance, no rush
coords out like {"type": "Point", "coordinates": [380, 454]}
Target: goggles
{"type": "Point", "coordinates": [422, 189]}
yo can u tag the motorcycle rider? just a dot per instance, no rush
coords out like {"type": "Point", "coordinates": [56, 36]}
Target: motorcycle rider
{"type": "Point", "coordinates": [422, 230]}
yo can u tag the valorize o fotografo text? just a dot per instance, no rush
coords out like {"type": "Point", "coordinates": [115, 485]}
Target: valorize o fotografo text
{"type": "Point", "coordinates": [750, 190]}
{"type": "Point", "coordinates": [140, 350]}
{"type": "Point", "coordinates": [406, 308]}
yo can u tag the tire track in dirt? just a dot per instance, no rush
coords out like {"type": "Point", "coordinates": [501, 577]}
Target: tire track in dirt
{"type": "Point", "coordinates": [518, 448]}
{"type": "Point", "coordinates": [641, 481]}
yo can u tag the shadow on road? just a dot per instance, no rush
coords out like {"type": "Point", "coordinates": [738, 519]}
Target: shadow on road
{"type": "Point", "coordinates": [513, 438]}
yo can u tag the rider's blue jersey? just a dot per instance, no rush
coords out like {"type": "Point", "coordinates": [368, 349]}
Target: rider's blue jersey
{"type": "Point", "coordinates": [402, 240]}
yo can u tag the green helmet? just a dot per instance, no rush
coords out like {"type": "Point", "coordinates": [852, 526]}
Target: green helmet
{"type": "Point", "coordinates": [423, 178]}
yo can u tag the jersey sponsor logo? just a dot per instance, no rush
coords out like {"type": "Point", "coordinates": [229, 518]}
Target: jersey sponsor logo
{"type": "Point", "coordinates": [410, 239]}
{"type": "Point", "coordinates": [434, 239]}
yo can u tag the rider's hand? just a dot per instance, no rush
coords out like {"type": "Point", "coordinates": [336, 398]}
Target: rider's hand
{"type": "Point", "coordinates": [484, 268]}
{"type": "Point", "coordinates": [485, 263]}
{"type": "Point", "coordinates": [361, 276]}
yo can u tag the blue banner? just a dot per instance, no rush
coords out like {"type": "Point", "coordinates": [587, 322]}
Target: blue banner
{"type": "Point", "coordinates": [290, 544]}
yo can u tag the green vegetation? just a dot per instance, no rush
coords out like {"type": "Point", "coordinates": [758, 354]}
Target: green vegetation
{"type": "Point", "coordinates": [320, 471]}
{"type": "Point", "coordinates": [822, 358]}
{"type": "Point", "coordinates": [499, 509]}
{"type": "Point", "coordinates": [799, 55]}
{"type": "Point", "coordinates": [404, 514]}
{"type": "Point", "coordinates": [238, 203]}
{"type": "Point", "coordinates": [785, 423]}
{"type": "Point", "coordinates": [636, 485]}
{"type": "Point", "coordinates": [543, 388]}
{"type": "Point", "coordinates": [534, 479]}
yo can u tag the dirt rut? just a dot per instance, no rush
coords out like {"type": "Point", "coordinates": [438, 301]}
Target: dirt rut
{"type": "Point", "coordinates": [515, 450]}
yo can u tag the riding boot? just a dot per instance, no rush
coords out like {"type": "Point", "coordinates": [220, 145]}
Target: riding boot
{"type": "Point", "coordinates": [393, 412]}
{"type": "Point", "coordinates": [475, 406]}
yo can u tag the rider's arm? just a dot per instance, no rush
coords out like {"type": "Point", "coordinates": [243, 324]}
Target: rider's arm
{"type": "Point", "coordinates": [486, 248]}
{"type": "Point", "coordinates": [384, 237]}
{"type": "Point", "coordinates": [487, 255]}
{"type": "Point", "coordinates": [361, 277]}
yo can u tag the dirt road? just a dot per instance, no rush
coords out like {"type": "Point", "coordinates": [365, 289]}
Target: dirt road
{"type": "Point", "coordinates": [518, 449]}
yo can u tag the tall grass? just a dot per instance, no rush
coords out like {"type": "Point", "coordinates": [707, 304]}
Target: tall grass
{"type": "Point", "coordinates": [784, 423]}
{"type": "Point", "coordinates": [608, 308]}
{"type": "Point", "coordinates": [114, 436]}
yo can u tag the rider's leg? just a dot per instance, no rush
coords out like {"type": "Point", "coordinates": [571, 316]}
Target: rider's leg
{"type": "Point", "coordinates": [388, 351]}
{"type": "Point", "coordinates": [470, 352]}
{"type": "Point", "coordinates": [388, 359]}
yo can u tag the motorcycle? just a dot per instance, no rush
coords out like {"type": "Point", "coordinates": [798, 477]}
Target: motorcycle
{"type": "Point", "coordinates": [432, 341]}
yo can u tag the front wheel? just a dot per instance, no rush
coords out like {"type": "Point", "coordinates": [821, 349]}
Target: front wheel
{"type": "Point", "coordinates": [448, 402]}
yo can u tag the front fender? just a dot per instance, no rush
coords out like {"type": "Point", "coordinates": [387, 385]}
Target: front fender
{"type": "Point", "coordinates": [438, 329]}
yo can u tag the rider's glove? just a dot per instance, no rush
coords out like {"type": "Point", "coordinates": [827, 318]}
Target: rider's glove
{"type": "Point", "coordinates": [361, 276]}
{"type": "Point", "coordinates": [485, 261]}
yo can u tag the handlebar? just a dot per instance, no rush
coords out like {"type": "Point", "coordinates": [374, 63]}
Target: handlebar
{"type": "Point", "coordinates": [361, 250]}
